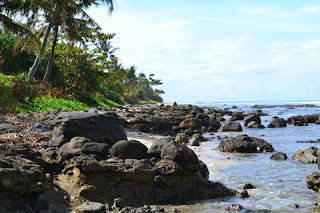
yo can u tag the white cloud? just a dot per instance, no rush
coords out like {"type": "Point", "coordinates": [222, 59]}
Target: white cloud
{"type": "Point", "coordinates": [238, 67]}
{"type": "Point", "coordinates": [311, 9]}
{"type": "Point", "coordinates": [258, 10]}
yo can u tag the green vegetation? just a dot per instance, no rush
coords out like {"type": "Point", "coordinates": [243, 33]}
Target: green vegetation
{"type": "Point", "coordinates": [74, 67]}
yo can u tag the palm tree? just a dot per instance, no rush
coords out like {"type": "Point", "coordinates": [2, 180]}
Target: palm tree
{"type": "Point", "coordinates": [105, 48]}
{"type": "Point", "coordinates": [69, 15]}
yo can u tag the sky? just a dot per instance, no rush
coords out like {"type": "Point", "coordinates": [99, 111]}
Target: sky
{"type": "Point", "coordinates": [220, 51]}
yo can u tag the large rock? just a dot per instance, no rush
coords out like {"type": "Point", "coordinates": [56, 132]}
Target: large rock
{"type": "Point", "coordinates": [190, 123]}
{"type": "Point", "coordinates": [214, 123]}
{"type": "Point", "coordinates": [237, 116]}
{"type": "Point", "coordinates": [156, 147]}
{"type": "Point", "coordinates": [232, 126]}
{"type": "Point", "coordinates": [180, 154]}
{"type": "Point", "coordinates": [279, 156]}
{"type": "Point", "coordinates": [83, 146]}
{"type": "Point", "coordinates": [129, 149]}
{"type": "Point", "coordinates": [277, 122]}
{"type": "Point", "coordinates": [9, 128]}
{"type": "Point", "coordinates": [139, 183]}
{"type": "Point", "coordinates": [21, 177]}
{"type": "Point", "coordinates": [250, 118]}
{"type": "Point", "coordinates": [245, 144]}
{"type": "Point", "coordinates": [96, 127]}
{"type": "Point", "coordinates": [310, 155]}
{"type": "Point", "coordinates": [313, 182]}
{"type": "Point", "coordinates": [40, 128]}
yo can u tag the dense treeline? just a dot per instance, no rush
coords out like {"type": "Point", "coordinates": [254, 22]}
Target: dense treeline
{"type": "Point", "coordinates": [59, 51]}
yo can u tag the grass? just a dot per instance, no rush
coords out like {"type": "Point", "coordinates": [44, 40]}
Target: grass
{"type": "Point", "coordinates": [50, 103]}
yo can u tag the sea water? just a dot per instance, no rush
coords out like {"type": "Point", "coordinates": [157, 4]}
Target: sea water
{"type": "Point", "coordinates": [279, 184]}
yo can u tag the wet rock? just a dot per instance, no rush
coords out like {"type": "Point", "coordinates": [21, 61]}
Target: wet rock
{"type": "Point", "coordinates": [40, 128]}
{"type": "Point", "coordinates": [277, 122]}
{"type": "Point", "coordinates": [126, 149]}
{"type": "Point", "coordinates": [250, 118]}
{"type": "Point", "coordinates": [182, 138]}
{"type": "Point", "coordinates": [214, 123]}
{"type": "Point", "coordinates": [235, 207]}
{"type": "Point", "coordinates": [9, 128]}
{"type": "Point", "coordinates": [313, 181]}
{"type": "Point", "coordinates": [92, 125]}
{"type": "Point", "coordinates": [232, 126]}
{"type": "Point", "coordinates": [142, 128]}
{"type": "Point", "coordinates": [248, 186]}
{"type": "Point", "coordinates": [156, 147]}
{"type": "Point", "coordinates": [244, 194]}
{"type": "Point", "coordinates": [90, 207]}
{"type": "Point", "coordinates": [279, 156]}
{"type": "Point", "coordinates": [180, 154]}
{"type": "Point", "coordinates": [309, 155]}
{"type": "Point", "coordinates": [190, 123]}
{"type": "Point", "coordinates": [245, 144]}
{"type": "Point", "coordinates": [197, 138]}
{"type": "Point", "coordinates": [237, 115]}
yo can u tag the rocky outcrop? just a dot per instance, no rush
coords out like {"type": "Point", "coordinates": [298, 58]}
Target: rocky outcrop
{"type": "Point", "coordinates": [303, 119]}
{"type": "Point", "coordinates": [92, 125]}
{"type": "Point", "coordinates": [21, 177]}
{"type": "Point", "coordinates": [310, 155]}
{"type": "Point", "coordinates": [245, 144]}
{"type": "Point", "coordinates": [178, 177]}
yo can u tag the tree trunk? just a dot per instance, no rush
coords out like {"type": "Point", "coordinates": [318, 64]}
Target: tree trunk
{"type": "Point", "coordinates": [49, 66]}
{"type": "Point", "coordinates": [36, 63]}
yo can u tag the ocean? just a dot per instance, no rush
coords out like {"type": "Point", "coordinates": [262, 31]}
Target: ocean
{"type": "Point", "coordinates": [279, 184]}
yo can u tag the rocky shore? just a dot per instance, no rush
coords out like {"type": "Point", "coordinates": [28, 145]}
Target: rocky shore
{"type": "Point", "coordinates": [126, 159]}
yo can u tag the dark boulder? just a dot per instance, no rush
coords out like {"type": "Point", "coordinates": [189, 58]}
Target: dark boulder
{"type": "Point", "coordinates": [245, 144]}
{"type": "Point", "coordinates": [232, 126]}
{"type": "Point", "coordinates": [96, 127]}
{"type": "Point", "coordinates": [129, 149]}
{"type": "Point", "coordinates": [213, 122]}
{"type": "Point", "coordinates": [180, 154]}
{"type": "Point", "coordinates": [279, 156]}
{"type": "Point", "coordinates": [156, 147]}
{"type": "Point", "coordinates": [278, 122]}
{"type": "Point", "coordinates": [204, 170]}
{"type": "Point", "coordinates": [237, 115]}
{"type": "Point", "coordinates": [250, 118]}
{"type": "Point", "coordinates": [313, 182]}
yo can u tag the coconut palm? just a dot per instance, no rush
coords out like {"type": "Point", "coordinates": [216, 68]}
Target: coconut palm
{"type": "Point", "coordinates": [68, 16]}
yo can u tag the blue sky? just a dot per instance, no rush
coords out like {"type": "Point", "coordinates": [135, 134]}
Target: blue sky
{"type": "Point", "coordinates": [221, 51]}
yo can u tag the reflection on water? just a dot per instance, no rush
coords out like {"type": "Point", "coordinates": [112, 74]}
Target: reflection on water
{"type": "Point", "coordinates": [280, 184]}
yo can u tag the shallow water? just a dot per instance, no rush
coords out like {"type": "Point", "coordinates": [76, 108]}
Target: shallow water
{"type": "Point", "coordinates": [280, 184]}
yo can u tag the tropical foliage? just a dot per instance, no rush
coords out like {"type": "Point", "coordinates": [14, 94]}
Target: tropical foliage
{"type": "Point", "coordinates": [52, 40]}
